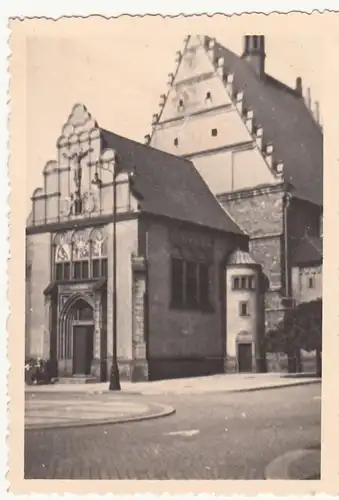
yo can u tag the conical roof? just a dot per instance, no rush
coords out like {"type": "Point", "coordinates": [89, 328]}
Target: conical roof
{"type": "Point", "coordinates": [241, 257]}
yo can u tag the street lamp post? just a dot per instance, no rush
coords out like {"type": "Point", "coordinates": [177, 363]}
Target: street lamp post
{"type": "Point", "coordinates": [114, 380]}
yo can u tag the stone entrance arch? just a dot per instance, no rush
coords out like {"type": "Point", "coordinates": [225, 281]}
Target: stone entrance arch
{"type": "Point", "coordinates": [75, 339]}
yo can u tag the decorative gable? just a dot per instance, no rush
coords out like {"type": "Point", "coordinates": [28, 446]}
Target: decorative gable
{"type": "Point", "coordinates": [79, 183]}
{"type": "Point", "coordinates": [205, 117]}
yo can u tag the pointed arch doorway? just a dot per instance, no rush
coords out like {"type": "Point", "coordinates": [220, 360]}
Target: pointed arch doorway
{"type": "Point", "coordinates": [76, 339]}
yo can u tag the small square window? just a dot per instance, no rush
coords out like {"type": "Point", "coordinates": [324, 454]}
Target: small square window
{"type": "Point", "coordinates": [180, 105]}
{"type": "Point", "coordinates": [251, 283]}
{"type": "Point", "coordinates": [311, 282]}
{"type": "Point", "coordinates": [243, 306]}
{"type": "Point", "coordinates": [236, 283]}
{"type": "Point", "coordinates": [214, 132]}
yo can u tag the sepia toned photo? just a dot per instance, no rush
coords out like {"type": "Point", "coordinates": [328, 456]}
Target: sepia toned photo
{"type": "Point", "coordinates": [173, 251]}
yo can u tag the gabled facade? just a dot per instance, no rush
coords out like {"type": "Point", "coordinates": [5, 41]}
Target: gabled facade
{"type": "Point", "coordinates": [174, 240]}
{"type": "Point", "coordinates": [255, 144]}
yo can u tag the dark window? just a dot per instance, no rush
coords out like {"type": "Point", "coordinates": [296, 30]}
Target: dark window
{"type": "Point", "coordinates": [85, 273]}
{"type": "Point", "coordinates": [77, 270]}
{"type": "Point", "coordinates": [67, 271]}
{"type": "Point", "coordinates": [59, 271]}
{"type": "Point", "coordinates": [62, 271]}
{"type": "Point", "coordinates": [243, 283]}
{"type": "Point", "coordinates": [80, 270]}
{"type": "Point", "coordinates": [77, 207]}
{"type": "Point", "coordinates": [208, 96]}
{"type": "Point", "coordinates": [104, 268]}
{"type": "Point", "coordinates": [177, 282]}
{"type": "Point", "coordinates": [236, 283]}
{"type": "Point", "coordinates": [255, 41]}
{"type": "Point", "coordinates": [243, 308]}
{"type": "Point", "coordinates": [99, 268]}
{"type": "Point", "coordinates": [96, 268]}
{"type": "Point", "coordinates": [176, 141]}
{"type": "Point", "coordinates": [204, 285]}
{"type": "Point", "coordinates": [214, 132]}
{"type": "Point", "coordinates": [311, 282]}
{"type": "Point", "coordinates": [192, 284]}
{"type": "Point", "coordinates": [181, 105]}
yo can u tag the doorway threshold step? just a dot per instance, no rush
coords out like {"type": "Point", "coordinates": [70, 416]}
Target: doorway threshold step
{"type": "Point", "coordinates": [78, 379]}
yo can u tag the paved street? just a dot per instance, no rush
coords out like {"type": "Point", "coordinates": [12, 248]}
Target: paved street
{"type": "Point", "coordinates": [211, 436]}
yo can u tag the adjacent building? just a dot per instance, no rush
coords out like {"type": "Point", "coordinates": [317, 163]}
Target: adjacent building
{"type": "Point", "coordinates": [307, 263]}
{"type": "Point", "coordinates": [256, 144]}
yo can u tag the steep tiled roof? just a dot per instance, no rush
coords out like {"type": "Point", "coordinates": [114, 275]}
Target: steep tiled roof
{"type": "Point", "coordinates": [286, 122]}
{"type": "Point", "coordinates": [309, 251]}
{"type": "Point", "coordinates": [168, 185]}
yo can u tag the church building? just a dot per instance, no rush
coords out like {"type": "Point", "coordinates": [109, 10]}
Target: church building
{"type": "Point", "coordinates": [257, 145]}
{"type": "Point", "coordinates": [190, 297]}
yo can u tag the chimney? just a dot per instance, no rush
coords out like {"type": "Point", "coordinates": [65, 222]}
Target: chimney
{"type": "Point", "coordinates": [299, 86]}
{"type": "Point", "coordinates": [309, 99]}
{"type": "Point", "coordinates": [317, 112]}
{"type": "Point", "coordinates": [254, 53]}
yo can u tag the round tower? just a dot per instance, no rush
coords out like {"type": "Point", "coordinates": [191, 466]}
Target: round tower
{"type": "Point", "coordinates": [244, 314]}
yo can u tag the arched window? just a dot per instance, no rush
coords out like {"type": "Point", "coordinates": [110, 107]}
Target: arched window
{"type": "Point", "coordinates": [98, 254]}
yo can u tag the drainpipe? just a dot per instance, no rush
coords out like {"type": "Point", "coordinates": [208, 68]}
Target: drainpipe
{"type": "Point", "coordinates": [286, 202]}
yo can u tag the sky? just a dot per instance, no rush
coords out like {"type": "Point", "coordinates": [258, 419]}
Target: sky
{"type": "Point", "coordinates": [118, 68]}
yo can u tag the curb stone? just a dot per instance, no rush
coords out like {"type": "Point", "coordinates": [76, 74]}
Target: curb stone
{"type": "Point", "coordinates": [162, 411]}
{"type": "Point", "coordinates": [280, 467]}
{"type": "Point", "coordinates": [225, 391]}
{"type": "Point", "coordinates": [158, 392]}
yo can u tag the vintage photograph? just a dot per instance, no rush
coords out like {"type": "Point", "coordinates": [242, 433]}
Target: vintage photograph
{"type": "Point", "coordinates": [173, 254]}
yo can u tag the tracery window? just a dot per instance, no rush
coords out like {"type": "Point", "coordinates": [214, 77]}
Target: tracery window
{"type": "Point", "coordinates": [98, 254]}
{"type": "Point", "coordinates": [82, 255]}
{"type": "Point", "coordinates": [62, 257]}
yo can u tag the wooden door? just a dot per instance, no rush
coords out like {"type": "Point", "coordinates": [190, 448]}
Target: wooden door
{"type": "Point", "coordinates": [82, 349]}
{"type": "Point", "coordinates": [245, 357]}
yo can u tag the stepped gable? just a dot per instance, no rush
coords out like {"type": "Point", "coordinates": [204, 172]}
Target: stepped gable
{"type": "Point", "coordinates": [168, 185]}
{"type": "Point", "coordinates": [284, 129]}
